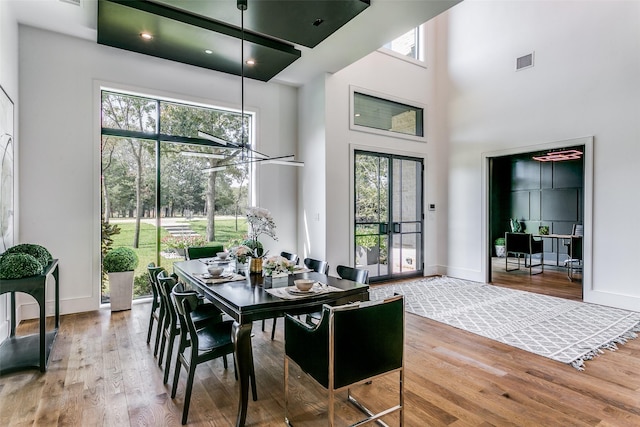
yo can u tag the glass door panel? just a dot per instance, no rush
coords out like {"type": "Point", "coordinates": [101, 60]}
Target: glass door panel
{"type": "Point", "coordinates": [388, 214]}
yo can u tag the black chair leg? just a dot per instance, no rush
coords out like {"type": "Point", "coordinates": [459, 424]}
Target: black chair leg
{"type": "Point", "coordinates": [163, 343]}
{"type": "Point", "coordinates": [273, 328]}
{"type": "Point", "coordinates": [262, 325]}
{"type": "Point", "coordinates": [158, 335]}
{"type": "Point", "coordinates": [167, 362]}
{"type": "Point", "coordinates": [151, 319]}
{"type": "Point", "coordinates": [187, 393]}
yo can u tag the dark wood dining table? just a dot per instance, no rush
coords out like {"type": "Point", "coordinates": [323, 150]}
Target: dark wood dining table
{"type": "Point", "coordinates": [248, 300]}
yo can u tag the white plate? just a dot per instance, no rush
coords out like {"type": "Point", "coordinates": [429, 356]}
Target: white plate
{"type": "Point", "coordinates": [295, 291]}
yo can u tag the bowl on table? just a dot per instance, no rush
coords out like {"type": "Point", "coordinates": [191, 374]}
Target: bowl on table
{"type": "Point", "coordinates": [304, 284]}
{"type": "Point", "coordinates": [222, 255]}
{"type": "Point", "coordinates": [215, 271]}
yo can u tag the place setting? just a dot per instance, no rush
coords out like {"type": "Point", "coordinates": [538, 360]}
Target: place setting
{"type": "Point", "coordinates": [302, 288]}
{"type": "Point", "coordinates": [216, 274]}
{"type": "Point", "coordinates": [220, 258]}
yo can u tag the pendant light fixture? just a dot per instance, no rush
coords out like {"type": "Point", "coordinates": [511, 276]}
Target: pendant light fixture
{"type": "Point", "coordinates": [247, 154]}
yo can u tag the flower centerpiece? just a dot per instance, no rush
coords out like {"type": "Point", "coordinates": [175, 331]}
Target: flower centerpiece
{"type": "Point", "coordinates": [241, 254]}
{"type": "Point", "coordinates": [260, 223]}
{"type": "Point", "coordinates": [276, 270]}
{"type": "Point", "coordinates": [277, 266]}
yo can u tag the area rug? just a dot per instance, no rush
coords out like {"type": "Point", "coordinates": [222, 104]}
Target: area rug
{"type": "Point", "coordinates": [563, 330]}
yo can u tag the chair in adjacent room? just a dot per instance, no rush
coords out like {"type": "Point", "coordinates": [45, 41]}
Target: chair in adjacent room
{"type": "Point", "coordinates": [201, 313]}
{"type": "Point", "coordinates": [523, 245]}
{"type": "Point", "coordinates": [199, 343]}
{"type": "Point", "coordinates": [196, 252]}
{"type": "Point", "coordinates": [294, 259]}
{"type": "Point", "coordinates": [574, 262]}
{"type": "Point", "coordinates": [157, 308]}
{"type": "Point", "coordinates": [353, 344]}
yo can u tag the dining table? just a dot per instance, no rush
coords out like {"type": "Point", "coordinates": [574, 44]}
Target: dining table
{"type": "Point", "coordinates": [250, 297]}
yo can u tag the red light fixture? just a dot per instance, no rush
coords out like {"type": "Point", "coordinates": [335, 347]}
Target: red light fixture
{"type": "Point", "coordinates": [558, 156]}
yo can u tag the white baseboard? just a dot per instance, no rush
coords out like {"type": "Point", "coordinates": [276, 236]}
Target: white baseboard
{"type": "Point", "coordinates": [31, 310]}
{"type": "Point", "coordinates": [465, 274]}
{"type": "Point", "coordinates": [625, 302]}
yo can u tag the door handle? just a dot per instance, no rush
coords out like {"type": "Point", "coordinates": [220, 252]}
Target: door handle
{"type": "Point", "coordinates": [396, 227]}
{"type": "Point", "coordinates": [383, 228]}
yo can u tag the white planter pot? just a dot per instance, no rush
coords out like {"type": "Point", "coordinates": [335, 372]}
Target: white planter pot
{"type": "Point", "coordinates": [121, 289]}
{"type": "Point", "coordinates": [500, 251]}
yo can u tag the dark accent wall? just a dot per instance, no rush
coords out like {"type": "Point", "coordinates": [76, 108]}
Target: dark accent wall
{"type": "Point", "coordinates": [537, 193]}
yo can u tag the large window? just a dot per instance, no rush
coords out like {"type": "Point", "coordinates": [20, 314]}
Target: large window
{"type": "Point", "coordinates": [160, 185]}
{"type": "Point", "coordinates": [380, 114]}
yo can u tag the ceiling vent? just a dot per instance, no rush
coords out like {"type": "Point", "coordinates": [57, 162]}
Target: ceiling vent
{"type": "Point", "coordinates": [525, 61]}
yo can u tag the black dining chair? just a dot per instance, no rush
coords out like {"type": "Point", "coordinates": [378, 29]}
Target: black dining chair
{"type": "Point", "coordinates": [197, 252]}
{"type": "Point", "coordinates": [205, 341]}
{"type": "Point", "coordinates": [294, 259]}
{"type": "Point", "coordinates": [316, 265]}
{"type": "Point", "coordinates": [201, 313]}
{"type": "Point", "coordinates": [353, 344]}
{"type": "Point", "coordinates": [157, 308]}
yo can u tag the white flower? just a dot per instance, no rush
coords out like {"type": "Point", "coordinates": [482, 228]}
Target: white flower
{"type": "Point", "coordinates": [277, 264]}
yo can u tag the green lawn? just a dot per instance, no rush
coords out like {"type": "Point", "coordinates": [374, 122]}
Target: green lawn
{"type": "Point", "coordinates": [225, 231]}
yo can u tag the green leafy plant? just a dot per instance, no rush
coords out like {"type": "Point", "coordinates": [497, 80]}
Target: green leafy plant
{"type": "Point", "coordinates": [120, 259]}
{"type": "Point", "coordinates": [108, 230]}
{"type": "Point", "coordinates": [183, 242]}
{"type": "Point", "coordinates": [38, 252]}
{"type": "Point", "coordinates": [499, 241]}
{"type": "Point", "coordinates": [18, 265]}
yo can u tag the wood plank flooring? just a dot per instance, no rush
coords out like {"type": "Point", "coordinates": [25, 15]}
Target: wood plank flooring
{"type": "Point", "coordinates": [103, 373]}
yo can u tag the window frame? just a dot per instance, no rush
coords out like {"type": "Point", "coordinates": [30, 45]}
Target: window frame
{"type": "Point", "coordinates": [417, 105]}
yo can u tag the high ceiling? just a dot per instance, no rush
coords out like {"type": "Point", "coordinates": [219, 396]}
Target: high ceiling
{"type": "Point", "coordinates": [280, 34]}
{"type": "Point", "coordinates": [209, 33]}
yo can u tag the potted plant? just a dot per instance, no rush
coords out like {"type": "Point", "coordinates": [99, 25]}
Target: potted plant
{"type": "Point", "coordinates": [120, 263]}
{"type": "Point", "coordinates": [500, 247]}
{"type": "Point", "coordinates": [260, 222]}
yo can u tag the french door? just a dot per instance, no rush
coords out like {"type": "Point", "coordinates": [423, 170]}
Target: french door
{"type": "Point", "coordinates": [388, 215]}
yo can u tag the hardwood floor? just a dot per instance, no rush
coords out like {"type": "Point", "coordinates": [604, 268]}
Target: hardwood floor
{"type": "Point", "coordinates": [103, 373]}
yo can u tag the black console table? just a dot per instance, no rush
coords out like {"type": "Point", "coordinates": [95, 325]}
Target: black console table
{"type": "Point", "coordinates": [30, 351]}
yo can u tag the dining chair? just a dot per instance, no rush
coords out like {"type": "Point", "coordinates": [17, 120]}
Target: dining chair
{"type": "Point", "coordinates": [294, 259]}
{"type": "Point", "coordinates": [197, 252]}
{"type": "Point", "coordinates": [206, 341]}
{"type": "Point", "coordinates": [523, 244]}
{"type": "Point", "coordinates": [359, 275]}
{"type": "Point", "coordinates": [316, 265]}
{"type": "Point", "coordinates": [574, 262]}
{"type": "Point", "coordinates": [201, 313]}
{"type": "Point", "coordinates": [157, 308]}
{"type": "Point", "coordinates": [353, 344]}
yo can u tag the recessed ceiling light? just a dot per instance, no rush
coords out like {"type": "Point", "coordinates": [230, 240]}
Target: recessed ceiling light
{"type": "Point", "coordinates": [251, 62]}
{"type": "Point", "coordinates": [208, 51]}
{"type": "Point", "coordinates": [146, 36]}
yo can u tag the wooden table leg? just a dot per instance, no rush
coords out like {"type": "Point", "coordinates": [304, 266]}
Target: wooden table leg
{"type": "Point", "coordinates": [241, 336]}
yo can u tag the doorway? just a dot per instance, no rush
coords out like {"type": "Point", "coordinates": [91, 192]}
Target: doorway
{"type": "Point", "coordinates": [547, 197]}
{"type": "Point", "coordinates": [388, 215]}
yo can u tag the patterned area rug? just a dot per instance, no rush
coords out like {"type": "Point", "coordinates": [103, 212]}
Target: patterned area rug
{"type": "Point", "coordinates": [562, 330]}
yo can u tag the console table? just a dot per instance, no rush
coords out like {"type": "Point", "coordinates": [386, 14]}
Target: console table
{"type": "Point", "coordinates": [18, 353]}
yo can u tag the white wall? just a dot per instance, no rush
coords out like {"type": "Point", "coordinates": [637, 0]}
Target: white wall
{"type": "Point", "coordinates": [9, 82]}
{"type": "Point", "coordinates": [312, 202]}
{"type": "Point", "coordinates": [586, 81]}
{"type": "Point", "coordinates": [60, 156]}
{"type": "Point", "coordinates": [396, 79]}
